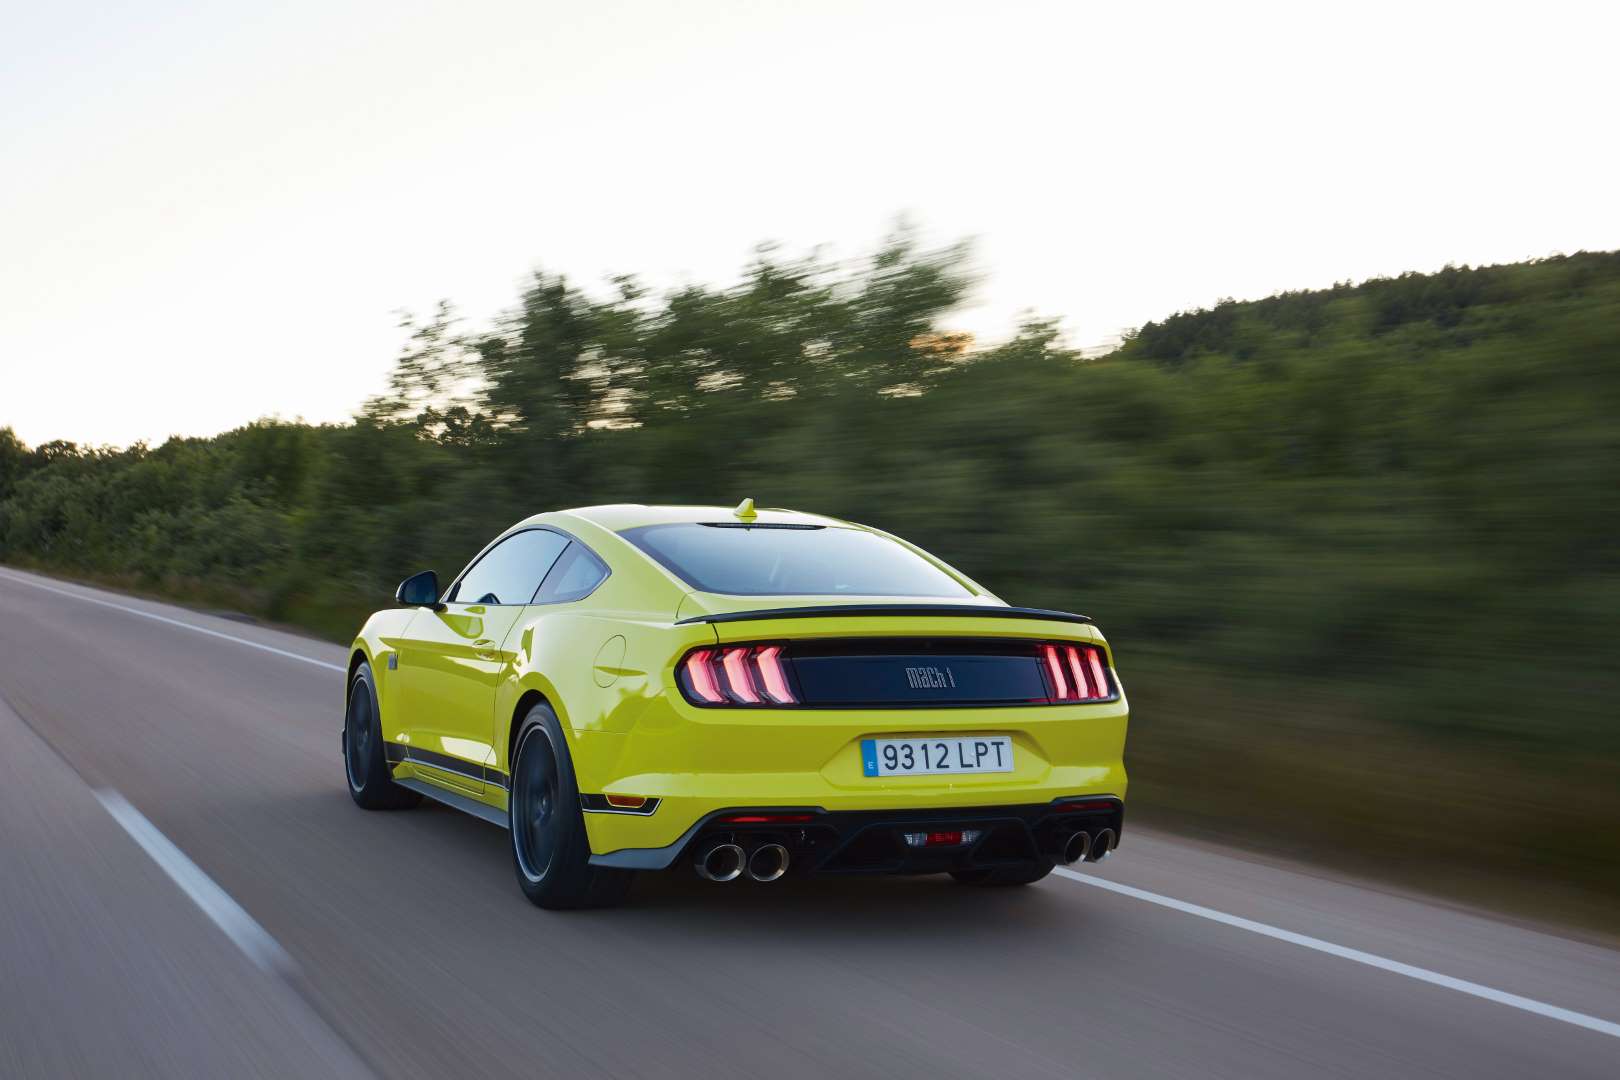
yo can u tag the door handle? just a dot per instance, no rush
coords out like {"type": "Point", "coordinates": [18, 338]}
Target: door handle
{"type": "Point", "coordinates": [487, 649]}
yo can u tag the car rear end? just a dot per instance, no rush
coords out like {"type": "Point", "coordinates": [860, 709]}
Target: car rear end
{"type": "Point", "coordinates": [874, 736]}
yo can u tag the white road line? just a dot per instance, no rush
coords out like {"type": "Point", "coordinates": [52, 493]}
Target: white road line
{"type": "Point", "coordinates": [175, 622]}
{"type": "Point", "coordinates": [1463, 986]}
{"type": "Point", "coordinates": [215, 902]}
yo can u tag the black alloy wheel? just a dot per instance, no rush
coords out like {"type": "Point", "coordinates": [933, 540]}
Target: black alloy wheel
{"type": "Point", "coordinates": [370, 784]}
{"type": "Point", "coordinates": [550, 849]}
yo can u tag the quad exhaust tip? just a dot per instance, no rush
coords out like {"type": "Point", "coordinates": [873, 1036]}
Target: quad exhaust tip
{"type": "Point", "coordinates": [720, 862]}
{"type": "Point", "coordinates": [1075, 848]}
{"type": "Point", "coordinates": [1102, 845]}
{"type": "Point", "coordinates": [768, 862]}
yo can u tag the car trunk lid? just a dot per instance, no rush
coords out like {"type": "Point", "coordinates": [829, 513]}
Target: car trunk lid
{"type": "Point", "coordinates": [877, 652]}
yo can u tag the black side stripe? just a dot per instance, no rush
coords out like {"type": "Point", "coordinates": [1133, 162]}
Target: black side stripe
{"type": "Point", "coordinates": [397, 753]}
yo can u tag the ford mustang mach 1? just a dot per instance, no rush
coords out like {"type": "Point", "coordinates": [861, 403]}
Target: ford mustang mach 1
{"type": "Point", "coordinates": [755, 693]}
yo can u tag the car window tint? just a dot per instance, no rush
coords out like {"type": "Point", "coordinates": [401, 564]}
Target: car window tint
{"type": "Point", "coordinates": [574, 577]}
{"type": "Point", "coordinates": [511, 571]}
{"type": "Point", "coordinates": [792, 561]}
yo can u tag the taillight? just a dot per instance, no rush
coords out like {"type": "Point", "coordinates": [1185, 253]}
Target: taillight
{"type": "Point", "coordinates": [699, 681]}
{"type": "Point", "coordinates": [736, 675]}
{"type": "Point", "coordinates": [1077, 673]}
{"type": "Point", "coordinates": [883, 673]}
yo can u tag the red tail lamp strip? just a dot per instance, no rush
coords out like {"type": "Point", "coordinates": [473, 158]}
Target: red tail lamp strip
{"type": "Point", "coordinates": [769, 660]}
{"type": "Point", "coordinates": [1079, 675]}
{"type": "Point", "coordinates": [739, 680]}
{"type": "Point", "coordinates": [1095, 659]}
{"type": "Point", "coordinates": [1056, 669]}
{"type": "Point", "coordinates": [702, 679]}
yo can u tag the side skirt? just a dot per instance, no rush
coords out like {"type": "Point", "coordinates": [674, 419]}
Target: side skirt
{"type": "Point", "coordinates": [458, 802]}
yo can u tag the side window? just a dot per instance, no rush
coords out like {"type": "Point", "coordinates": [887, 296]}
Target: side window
{"type": "Point", "coordinates": [512, 570]}
{"type": "Point", "coordinates": [576, 576]}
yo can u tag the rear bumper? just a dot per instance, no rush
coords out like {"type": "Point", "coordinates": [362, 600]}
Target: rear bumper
{"type": "Point", "coordinates": [698, 763]}
{"type": "Point", "coordinates": [642, 744]}
{"type": "Point", "coordinates": [873, 841]}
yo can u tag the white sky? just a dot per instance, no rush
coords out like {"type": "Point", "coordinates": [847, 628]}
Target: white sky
{"type": "Point", "coordinates": [210, 212]}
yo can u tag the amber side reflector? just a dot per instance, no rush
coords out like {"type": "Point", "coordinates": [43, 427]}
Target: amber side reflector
{"type": "Point", "coordinates": [627, 802]}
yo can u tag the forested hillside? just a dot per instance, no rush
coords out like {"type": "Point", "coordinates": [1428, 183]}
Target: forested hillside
{"type": "Point", "coordinates": [1356, 547]}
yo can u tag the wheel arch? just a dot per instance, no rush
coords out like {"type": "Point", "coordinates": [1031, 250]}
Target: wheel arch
{"type": "Point", "coordinates": [530, 695]}
{"type": "Point", "coordinates": [357, 657]}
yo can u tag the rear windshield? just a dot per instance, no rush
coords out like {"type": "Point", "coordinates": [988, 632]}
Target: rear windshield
{"type": "Point", "coordinates": [795, 561]}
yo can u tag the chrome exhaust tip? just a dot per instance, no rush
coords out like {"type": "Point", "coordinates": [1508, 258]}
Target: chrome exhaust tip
{"type": "Point", "coordinates": [1075, 848]}
{"type": "Point", "coordinates": [720, 862]}
{"type": "Point", "coordinates": [768, 862]}
{"type": "Point", "coordinates": [1102, 845]}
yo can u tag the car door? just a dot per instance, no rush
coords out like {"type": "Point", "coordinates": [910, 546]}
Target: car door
{"type": "Point", "coordinates": [452, 660]}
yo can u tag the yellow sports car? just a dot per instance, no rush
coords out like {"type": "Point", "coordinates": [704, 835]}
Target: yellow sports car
{"type": "Point", "coordinates": [757, 693]}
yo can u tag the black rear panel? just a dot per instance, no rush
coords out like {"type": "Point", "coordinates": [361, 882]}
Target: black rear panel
{"type": "Point", "coordinates": [902, 673]}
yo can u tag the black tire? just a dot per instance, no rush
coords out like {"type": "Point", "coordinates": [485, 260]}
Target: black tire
{"type": "Point", "coordinates": [550, 852]}
{"type": "Point", "coordinates": [364, 764]}
{"type": "Point", "coordinates": [1003, 876]}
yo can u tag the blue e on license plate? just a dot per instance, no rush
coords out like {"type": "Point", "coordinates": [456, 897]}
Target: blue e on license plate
{"type": "Point", "coordinates": [936, 756]}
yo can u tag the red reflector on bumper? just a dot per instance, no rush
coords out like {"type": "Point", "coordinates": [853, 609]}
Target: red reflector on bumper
{"type": "Point", "coordinates": [942, 838]}
{"type": "Point", "coordinates": [767, 819]}
{"type": "Point", "coordinates": [1075, 807]}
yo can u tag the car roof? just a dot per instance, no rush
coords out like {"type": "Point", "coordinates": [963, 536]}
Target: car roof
{"type": "Point", "coordinates": [617, 517]}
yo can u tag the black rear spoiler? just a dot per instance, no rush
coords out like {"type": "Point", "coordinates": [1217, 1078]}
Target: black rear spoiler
{"type": "Point", "coordinates": [880, 610]}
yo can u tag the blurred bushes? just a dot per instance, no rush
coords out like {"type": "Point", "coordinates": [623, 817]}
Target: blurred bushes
{"type": "Point", "coordinates": [1376, 519]}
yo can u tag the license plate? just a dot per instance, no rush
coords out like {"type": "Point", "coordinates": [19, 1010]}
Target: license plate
{"type": "Point", "coordinates": [937, 756]}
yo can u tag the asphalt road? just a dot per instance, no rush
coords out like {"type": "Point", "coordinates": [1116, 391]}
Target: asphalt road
{"type": "Point", "coordinates": [291, 933]}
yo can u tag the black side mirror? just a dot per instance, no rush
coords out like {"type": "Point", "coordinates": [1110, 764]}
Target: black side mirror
{"type": "Point", "coordinates": [420, 590]}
